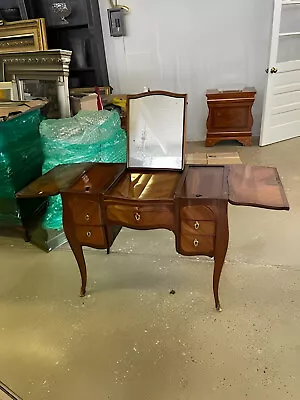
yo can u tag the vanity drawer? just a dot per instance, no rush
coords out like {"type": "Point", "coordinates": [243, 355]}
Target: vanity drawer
{"type": "Point", "coordinates": [85, 212]}
{"type": "Point", "coordinates": [200, 213]}
{"type": "Point", "coordinates": [194, 227]}
{"type": "Point", "coordinates": [91, 235]}
{"type": "Point", "coordinates": [197, 244]}
{"type": "Point", "coordinates": [143, 217]}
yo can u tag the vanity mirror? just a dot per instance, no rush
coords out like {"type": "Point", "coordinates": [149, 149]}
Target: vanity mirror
{"type": "Point", "coordinates": [156, 130]}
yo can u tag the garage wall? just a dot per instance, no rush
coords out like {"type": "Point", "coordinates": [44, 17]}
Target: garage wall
{"type": "Point", "coordinates": [191, 46]}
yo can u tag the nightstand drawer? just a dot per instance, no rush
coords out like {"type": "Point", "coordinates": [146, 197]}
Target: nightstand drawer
{"type": "Point", "coordinates": [90, 235]}
{"type": "Point", "coordinates": [141, 217]}
{"type": "Point", "coordinates": [235, 118]}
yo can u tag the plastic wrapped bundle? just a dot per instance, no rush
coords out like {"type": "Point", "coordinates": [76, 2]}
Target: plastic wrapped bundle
{"type": "Point", "coordinates": [89, 136]}
{"type": "Point", "coordinates": [21, 160]}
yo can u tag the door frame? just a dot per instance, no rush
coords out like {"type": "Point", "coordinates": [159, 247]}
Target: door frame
{"type": "Point", "coordinates": [274, 45]}
{"type": "Point", "coordinates": [277, 10]}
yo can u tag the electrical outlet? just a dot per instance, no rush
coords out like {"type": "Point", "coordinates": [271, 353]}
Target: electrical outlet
{"type": "Point", "coordinates": [116, 21]}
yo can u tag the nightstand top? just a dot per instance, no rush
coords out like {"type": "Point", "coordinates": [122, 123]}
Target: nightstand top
{"type": "Point", "coordinates": [230, 93]}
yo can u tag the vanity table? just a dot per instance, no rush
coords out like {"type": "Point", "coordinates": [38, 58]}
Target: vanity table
{"type": "Point", "coordinates": [155, 190]}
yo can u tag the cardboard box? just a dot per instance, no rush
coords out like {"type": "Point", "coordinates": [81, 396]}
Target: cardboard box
{"type": "Point", "coordinates": [11, 109]}
{"type": "Point", "coordinates": [223, 158]}
{"type": "Point", "coordinates": [84, 103]}
{"type": "Point", "coordinates": [213, 158]}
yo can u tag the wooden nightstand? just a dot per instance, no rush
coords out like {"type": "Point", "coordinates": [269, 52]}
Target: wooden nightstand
{"type": "Point", "coordinates": [230, 116]}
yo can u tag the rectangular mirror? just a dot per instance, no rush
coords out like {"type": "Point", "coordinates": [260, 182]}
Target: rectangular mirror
{"type": "Point", "coordinates": [156, 130]}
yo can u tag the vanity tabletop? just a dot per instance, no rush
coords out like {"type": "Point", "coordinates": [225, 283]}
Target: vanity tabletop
{"type": "Point", "coordinates": [97, 179]}
{"type": "Point", "coordinates": [204, 182]}
{"type": "Point", "coordinates": [56, 180]}
{"type": "Point", "coordinates": [239, 184]}
{"type": "Point", "coordinates": [154, 185]}
{"type": "Point", "coordinates": [256, 186]}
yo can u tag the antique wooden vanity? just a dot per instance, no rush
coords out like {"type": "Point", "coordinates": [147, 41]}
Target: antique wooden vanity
{"type": "Point", "coordinates": [156, 190]}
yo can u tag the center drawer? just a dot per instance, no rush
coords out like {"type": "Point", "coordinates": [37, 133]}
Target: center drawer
{"type": "Point", "coordinates": [85, 212]}
{"type": "Point", "coordinates": [141, 217]}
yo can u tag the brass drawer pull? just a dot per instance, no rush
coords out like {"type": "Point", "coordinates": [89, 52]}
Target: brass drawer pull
{"type": "Point", "coordinates": [87, 217]}
{"type": "Point", "coordinates": [196, 243]}
{"type": "Point", "coordinates": [89, 234]}
{"type": "Point", "coordinates": [137, 216]}
{"type": "Point", "coordinates": [197, 225]}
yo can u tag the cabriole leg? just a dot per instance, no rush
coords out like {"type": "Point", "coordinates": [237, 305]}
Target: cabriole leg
{"type": "Point", "coordinates": [221, 246]}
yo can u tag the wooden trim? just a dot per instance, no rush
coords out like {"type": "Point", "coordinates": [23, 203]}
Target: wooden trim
{"type": "Point", "coordinates": [239, 100]}
{"type": "Point", "coordinates": [156, 93]}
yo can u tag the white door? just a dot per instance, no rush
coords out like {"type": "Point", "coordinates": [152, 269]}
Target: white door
{"type": "Point", "coordinates": [281, 116]}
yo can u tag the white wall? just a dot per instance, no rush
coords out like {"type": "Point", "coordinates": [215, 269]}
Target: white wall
{"type": "Point", "coordinates": [190, 46]}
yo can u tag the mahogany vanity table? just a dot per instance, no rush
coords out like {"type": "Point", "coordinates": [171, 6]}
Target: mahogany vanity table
{"type": "Point", "coordinates": [99, 199]}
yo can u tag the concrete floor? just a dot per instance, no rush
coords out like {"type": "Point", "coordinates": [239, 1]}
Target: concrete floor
{"type": "Point", "coordinates": [131, 340]}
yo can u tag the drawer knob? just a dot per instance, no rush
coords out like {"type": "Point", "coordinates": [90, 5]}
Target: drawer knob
{"type": "Point", "coordinates": [196, 243]}
{"type": "Point", "coordinates": [197, 225]}
{"type": "Point", "coordinates": [89, 234]}
{"type": "Point", "coordinates": [87, 217]}
{"type": "Point", "coordinates": [137, 216]}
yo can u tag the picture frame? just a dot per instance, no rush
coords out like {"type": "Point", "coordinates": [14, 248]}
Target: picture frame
{"type": "Point", "coordinates": [23, 36]}
{"type": "Point", "coordinates": [103, 90]}
{"type": "Point", "coordinates": [8, 91]}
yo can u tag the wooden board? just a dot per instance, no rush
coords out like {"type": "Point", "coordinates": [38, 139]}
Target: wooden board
{"type": "Point", "coordinates": [256, 186]}
{"type": "Point", "coordinates": [54, 181]}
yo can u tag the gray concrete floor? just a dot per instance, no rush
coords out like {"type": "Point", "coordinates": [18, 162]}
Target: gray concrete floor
{"type": "Point", "coordinates": [129, 339]}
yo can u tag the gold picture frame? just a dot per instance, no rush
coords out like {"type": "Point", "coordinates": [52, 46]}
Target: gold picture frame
{"type": "Point", "coordinates": [8, 91]}
{"type": "Point", "coordinates": [23, 36]}
{"type": "Point", "coordinates": [104, 90]}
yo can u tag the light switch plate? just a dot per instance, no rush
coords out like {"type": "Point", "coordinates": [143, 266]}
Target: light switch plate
{"type": "Point", "coordinates": [116, 22]}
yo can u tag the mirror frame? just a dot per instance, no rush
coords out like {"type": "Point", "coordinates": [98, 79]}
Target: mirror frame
{"type": "Point", "coordinates": [157, 93]}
